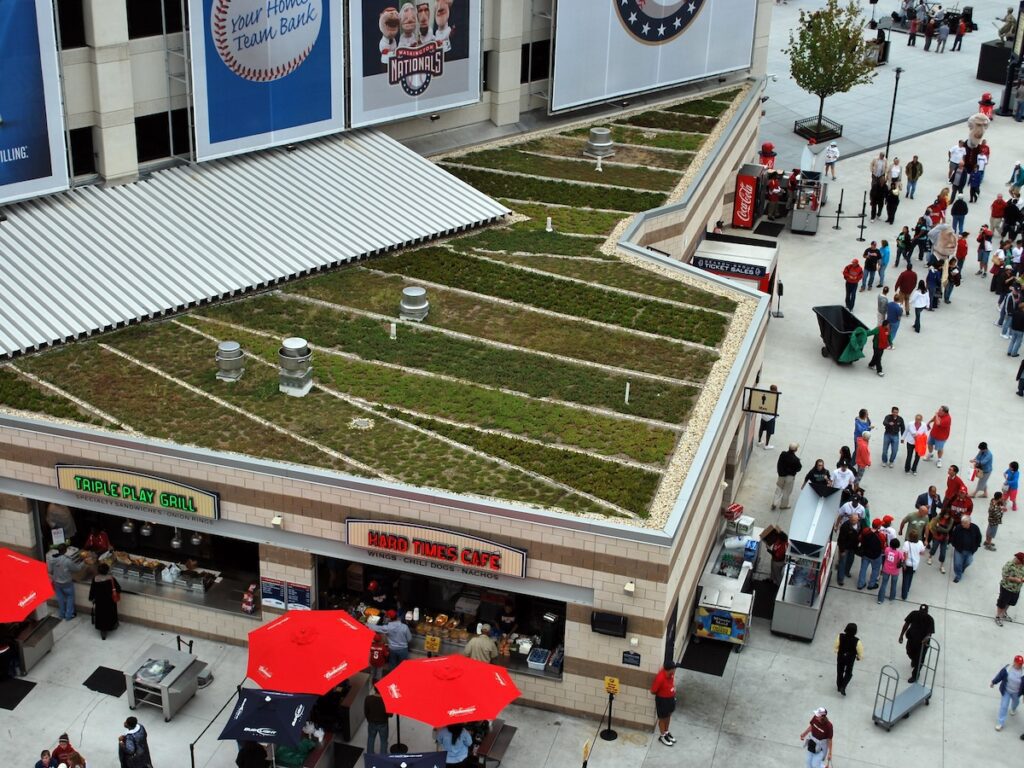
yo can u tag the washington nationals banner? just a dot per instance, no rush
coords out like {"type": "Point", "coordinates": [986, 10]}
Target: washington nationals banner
{"type": "Point", "coordinates": [412, 57]}
{"type": "Point", "coordinates": [33, 159]}
{"type": "Point", "coordinates": [265, 72]}
{"type": "Point", "coordinates": [610, 48]}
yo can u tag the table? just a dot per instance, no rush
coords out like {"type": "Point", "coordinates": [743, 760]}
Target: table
{"type": "Point", "coordinates": [170, 692]}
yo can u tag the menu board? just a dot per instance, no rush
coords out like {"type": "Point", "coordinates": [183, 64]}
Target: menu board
{"type": "Point", "coordinates": [299, 597]}
{"type": "Point", "coordinates": [272, 593]}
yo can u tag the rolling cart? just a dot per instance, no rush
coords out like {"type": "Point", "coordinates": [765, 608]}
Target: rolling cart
{"type": "Point", "coordinates": [892, 704]}
{"type": "Point", "coordinates": [163, 678]}
{"type": "Point", "coordinates": [836, 324]}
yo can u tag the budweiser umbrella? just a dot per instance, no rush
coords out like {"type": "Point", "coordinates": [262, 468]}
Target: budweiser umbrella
{"type": "Point", "coordinates": [270, 717]}
{"type": "Point", "coordinates": [26, 585]}
{"type": "Point", "coordinates": [447, 689]}
{"type": "Point", "coordinates": [308, 651]}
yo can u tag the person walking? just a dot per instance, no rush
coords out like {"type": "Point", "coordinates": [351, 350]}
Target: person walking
{"type": "Point", "coordinates": [892, 202]}
{"type": "Point", "coordinates": [787, 468]}
{"type": "Point", "coordinates": [767, 426]}
{"type": "Point", "coordinates": [376, 722]}
{"type": "Point", "coordinates": [664, 690]}
{"type": "Point", "coordinates": [912, 549]}
{"type": "Point", "coordinates": [104, 594]}
{"type": "Point", "coordinates": [958, 179]}
{"type": "Point", "coordinates": [883, 263]}
{"type": "Point", "coordinates": [939, 531]}
{"type": "Point", "coordinates": [847, 542]}
{"type": "Point", "coordinates": [863, 455]}
{"type": "Point", "coordinates": [939, 427]}
{"type": "Point", "coordinates": [941, 35]}
{"type": "Point", "coordinates": [892, 565]}
{"type": "Point", "coordinates": [1018, 94]}
{"type": "Point", "coordinates": [62, 569]}
{"type": "Point", "coordinates": [876, 198]}
{"type": "Point", "coordinates": [894, 316]}
{"type": "Point", "coordinates": [929, 33]}
{"type": "Point", "coordinates": [893, 428]}
{"type": "Point", "coordinates": [996, 509]}
{"type": "Point", "coordinates": [879, 344]}
{"type": "Point", "coordinates": [1020, 379]}
{"type": "Point", "coordinates": [920, 300]}
{"type": "Point", "coordinates": [848, 649]}
{"type": "Point", "coordinates": [881, 304]}
{"type": "Point", "coordinates": [996, 211]}
{"type": "Point", "coordinates": [133, 745]}
{"type": "Point", "coordinates": [872, 256]}
{"type": "Point", "coordinates": [959, 209]}
{"type": "Point", "coordinates": [1009, 679]}
{"type": "Point", "coordinates": [982, 463]}
{"type": "Point", "coordinates": [913, 172]}
{"type": "Point", "coordinates": [958, 39]}
{"type": "Point", "coordinates": [904, 250]}
{"type": "Point", "coordinates": [1011, 578]}
{"type": "Point", "coordinates": [918, 627]}
{"type": "Point", "coordinates": [1011, 482]}
{"type": "Point", "coordinates": [870, 551]}
{"type": "Point", "coordinates": [934, 282]}
{"type": "Point", "coordinates": [831, 158]}
{"type": "Point", "coordinates": [915, 522]}
{"type": "Point", "coordinates": [817, 739]}
{"type": "Point", "coordinates": [915, 437]}
{"type": "Point", "coordinates": [852, 274]}
{"type": "Point", "coordinates": [965, 540]}
{"type": "Point", "coordinates": [1016, 330]}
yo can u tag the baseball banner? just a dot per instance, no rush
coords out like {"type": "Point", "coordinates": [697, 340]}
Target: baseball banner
{"type": "Point", "coordinates": [412, 56]}
{"type": "Point", "coordinates": [610, 48]}
{"type": "Point", "coordinates": [33, 157]}
{"type": "Point", "coordinates": [265, 72]}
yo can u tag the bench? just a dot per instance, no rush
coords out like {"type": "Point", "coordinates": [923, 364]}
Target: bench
{"type": "Point", "coordinates": [495, 743]}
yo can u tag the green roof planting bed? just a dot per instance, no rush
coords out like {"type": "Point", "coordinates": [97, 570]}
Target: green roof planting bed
{"type": "Point", "coordinates": [513, 388]}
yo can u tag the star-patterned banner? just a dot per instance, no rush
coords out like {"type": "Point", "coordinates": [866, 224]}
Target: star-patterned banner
{"type": "Point", "coordinates": [655, 21]}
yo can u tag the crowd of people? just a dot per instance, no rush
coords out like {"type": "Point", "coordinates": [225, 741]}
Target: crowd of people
{"type": "Point", "coordinates": [132, 750]}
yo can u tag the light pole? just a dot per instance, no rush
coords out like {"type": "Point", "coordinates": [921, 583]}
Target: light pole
{"type": "Point", "coordinates": [888, 137]}
{"type": "Point", "coordinates": [1013, 64]}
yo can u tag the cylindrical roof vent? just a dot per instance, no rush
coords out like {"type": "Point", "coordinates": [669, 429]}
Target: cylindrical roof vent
{"type": "Point", "coordinates": [414, 305]}
{"type": "Point", "coordinates": [295, 359]}
{"type": "Point", "coordinates": [230, 361]}
{"type": "Point", "coordinates": [600, 143]}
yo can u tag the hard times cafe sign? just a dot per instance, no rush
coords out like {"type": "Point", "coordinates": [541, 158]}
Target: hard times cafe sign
{"type": "Point", "coordinates": [445, 550]}
{"type": "Point", "coordinates": [133, 490]}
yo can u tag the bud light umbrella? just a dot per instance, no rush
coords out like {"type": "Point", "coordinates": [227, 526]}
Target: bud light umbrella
{"type": "Point", "coordinates": [271, 717]}
{"type": "Point", "coordinates": [26, 586]}
{"type": "Point", "coordinates": [308, 651]}
{"type": "Point", "coordinates": [447, 689]}
{"type": "Point", "coordinates": [426, 760]}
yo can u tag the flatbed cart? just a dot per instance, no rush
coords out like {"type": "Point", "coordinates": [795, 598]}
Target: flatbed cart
{"type": "Point", "coordinates": [892, 704]}
{"type": "Point", "coordinates": [837, 325]}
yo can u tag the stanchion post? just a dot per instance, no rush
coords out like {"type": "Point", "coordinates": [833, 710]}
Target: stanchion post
{"type": "Point", "coordinates": [609, 734]}
{"type": "Point", "coordinates": [863, 213]}
{"type": "Point", "coordinates": [839, 210]}
{"type": "Point", "coordinates": [398, 748]}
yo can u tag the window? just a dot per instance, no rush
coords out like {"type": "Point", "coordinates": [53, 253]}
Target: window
{"type": "Point", "coordinates": [144, 17]}
{"type": "Point", "coordinates": [153, 140]}
{"type": "Point", "coordinates": [535, 62]}
{"type": "Point", "coordinates": [83, 158]}
{"type": "Point", "coordinates": [71, 24]}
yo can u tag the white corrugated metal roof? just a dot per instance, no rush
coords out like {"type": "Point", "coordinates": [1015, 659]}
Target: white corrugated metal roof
{"type": "Point", "coordinates": [95, 258]}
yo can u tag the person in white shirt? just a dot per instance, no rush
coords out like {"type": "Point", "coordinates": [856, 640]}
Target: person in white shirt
{"type": "Point", "coordinates": [911, 549]}
{"type": "Point", "coordinates": [895, 171]}
{"type": "Point", "coordinates": [852, 507]}
{"type": "Point", "coordinates": [956, 153]}
{"type": "Point", "coordinates": [831, 157]}
{"type": "Point", "coordinates": [918, 427]}
{"type": "Point", "coordinates": [842, 477]}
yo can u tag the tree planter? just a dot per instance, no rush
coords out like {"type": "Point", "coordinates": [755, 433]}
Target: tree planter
{"type": "Point", "coordinates": [820, 129]}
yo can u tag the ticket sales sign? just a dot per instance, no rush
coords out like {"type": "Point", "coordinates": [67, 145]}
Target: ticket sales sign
{"type": "Point", "coordinates": [446, 550]}
{"type": "Point", "coordinates": [134, 490]}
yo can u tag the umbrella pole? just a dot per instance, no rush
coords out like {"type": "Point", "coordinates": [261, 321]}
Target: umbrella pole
{"type": "Point", "coordinates": [398, 748]}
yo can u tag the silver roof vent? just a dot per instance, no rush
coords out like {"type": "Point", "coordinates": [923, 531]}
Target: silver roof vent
{"type": "Point", "coordinates": [600, 143]}
{"type": "Point", "coordinates": [414, 304]}
{"type": "Point", "coordinates": [296, 372]}
{"type": "Point", "coordinates": [230, 361]}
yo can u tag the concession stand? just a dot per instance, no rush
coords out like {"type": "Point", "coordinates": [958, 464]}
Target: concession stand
{"type": "Point", "coordinates": [808, 567]}
{"type": "Point", "coordinates": [726, 590]}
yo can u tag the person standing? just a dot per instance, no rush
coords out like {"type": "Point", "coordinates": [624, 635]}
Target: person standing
{"type": "Point", "coordinates": [893, 428]}
{"type": "Point", "coordinates": [882, 304]}
{"type": "Point", "coordinates": [133, 745]}
{"type": "Point", "coordinates": [1016, 330]}
{"type": "Point", "coordinates": [849, 649]}
{"type": "Point", "coordinates": [863, 455]}
{"type": "Point", "coordinates": [879, 344]}
{"type": "Point", "coordinates": [872, 257]}
{"type": "Point", "coordinates": [1018, 94]}
{"type": "Point", "coordinates": [914, 437]}
{"type": "Point", "coordinates": [912, 549]}
{"type": "Point", "coordinates": [1011, 482]}
{"type": "Point", "coordinates": [251, 754]}
{"type": "Point", "coordinates": [958, 180]}
{"type": "Point", "coordinates": [941, 35]}
{"type": "Point", "coordinates": [996, 211]}
{"type": "Point", "coordinates": [913, 171]}
{"type": "Point", "coordinates": [892, 564]}
{"type": "Point", "coordinates": [912, 32]}
{"type": "Point", "coordinates": [918, 627]}
{"type": "Point", "coordinates": [104, 594]}
{"type": "Point", "coordinates": [831, 158]}
{"type": "Point", "coordinates": [62, 570]}
{"type": "Point", "coordinates": [915, 522]}
{"type": "Point", "coordinates": [892, 202]}
{"type": "Point", "coordinates": [1020, 379]}
{"type": "Point", "coordinates": [852, 274]}
{"type": "Point", "coordinates": [398, 636]}
{"type": "Point", "coordinates": [959, 209]}
{"type": "Point", "coordinates": [787, 467]}
{"type": "Point", "coordinates": [876, 198]}
{"type": "Point", "coordinates": [996, 508]}
{"type": "Point", "coordinates": [929, 33]}
{"type": "Point", "coordinates": [920, 300]}
{"type": "Point", "coordinates": [883, 263]}
{"type": "Point", "coordinates": [376, 722]}
{"type": "Point", "coordinates": [664, 690]}
{"type": "Point", "coordinates": [767, 426]}
{"type": "Point", "coordinates": [939, 426]}
{"type": "Point", "coordinates": [870, 551]}
{"type": "Point", "coordinates": [982, 463]}
{"type": "Point", "coordinates": [817, 738]}
{"type": "Point", "coordinates": [958, 39]}
{"type": "Point", "coordinates": [1011, 578]}
{"type": "Point", "coordinates": [847, 542]}
{"type": "Point", "coordinates": [1009, 680]}
{"type": "Point", "coordinates": [456, 741]}
{"type": "Point", "coordinates": [904, 250]}
{"type": "Point", "coordinates": [956, 155]}
{"type": "Point", "coordinates": [939, 531]}
{"type": "Point", "coordinates": [965, 540]}
{"type": "Point", "coordinates": [482, 647]}
{"type": "Point", "coordinates": [930, 499]}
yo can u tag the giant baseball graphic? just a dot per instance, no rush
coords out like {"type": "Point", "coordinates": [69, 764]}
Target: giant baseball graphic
{"type": "Point", "coordinates": [264, 40]}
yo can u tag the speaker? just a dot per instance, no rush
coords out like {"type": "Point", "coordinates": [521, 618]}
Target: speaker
{"type": "Point", "coordinates": [968, 15]}
{"type": "Point", "coordinates": [613, 624]}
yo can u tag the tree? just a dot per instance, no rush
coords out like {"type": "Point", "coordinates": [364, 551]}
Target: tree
{"type": "Point", "coordinates": [828, 54]}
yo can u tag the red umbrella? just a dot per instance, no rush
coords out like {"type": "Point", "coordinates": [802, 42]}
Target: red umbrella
{"type": "Point", "coordinates": [26, 585]}
{"type": "Point", "coordinates": [447, 689]}
{"type": "Point", "coordinates": [308, 651]}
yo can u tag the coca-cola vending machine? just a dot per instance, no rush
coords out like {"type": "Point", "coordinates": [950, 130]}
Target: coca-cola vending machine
{"type": "Point", "coordinates": [749, 202]}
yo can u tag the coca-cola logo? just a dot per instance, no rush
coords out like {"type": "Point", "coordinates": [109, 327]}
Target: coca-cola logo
{"type": "Point", "coordinates": [746, 201]}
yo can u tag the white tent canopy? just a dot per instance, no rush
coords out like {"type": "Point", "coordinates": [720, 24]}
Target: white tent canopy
{"type": "Point", "coordinates": [96, 258]}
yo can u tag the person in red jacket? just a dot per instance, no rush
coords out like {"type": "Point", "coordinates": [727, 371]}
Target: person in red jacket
{"type": "Point", "coordinates": [664, 690]}
{"type": "Point", "coordinates": [863, 451]}
{"type": "Point", "coordinates": [996, 212]}
{"type": "Point", "coordinates": [880, 343]}
{"type": "Point", "coordinates": [939, 426]}
{"type": "Point", "coordinates": [852, 274]}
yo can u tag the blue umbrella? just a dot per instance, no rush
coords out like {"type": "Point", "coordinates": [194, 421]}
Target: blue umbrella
{"type": "Point", "coordinates": [426, 760]}
{"type": "Point", "coordinates": [270, 717]}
